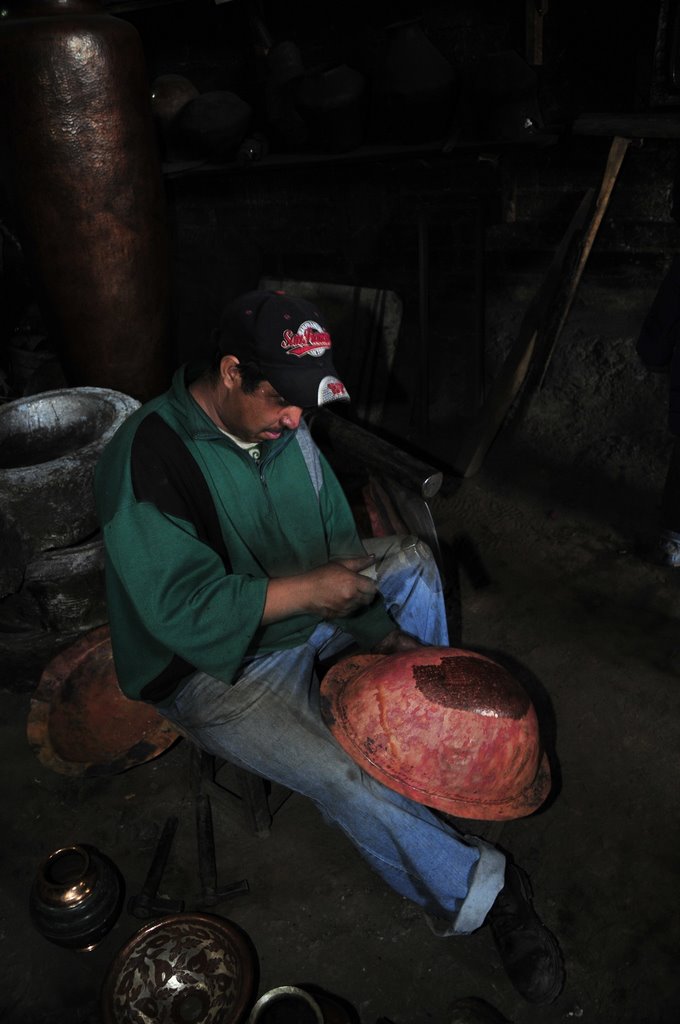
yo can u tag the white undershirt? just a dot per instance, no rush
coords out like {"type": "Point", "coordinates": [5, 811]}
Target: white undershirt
{"type": "Point", "coordinates": [252, 447]}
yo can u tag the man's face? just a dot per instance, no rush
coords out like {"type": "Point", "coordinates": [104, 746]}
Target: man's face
{"type": "Point", "coordinates": [260, 415]}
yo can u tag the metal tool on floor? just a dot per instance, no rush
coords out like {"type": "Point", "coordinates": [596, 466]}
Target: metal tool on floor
{"type": "Point", "coordinates": [148, 903]}
{"type": "Point", "coordinates": [207, 866]}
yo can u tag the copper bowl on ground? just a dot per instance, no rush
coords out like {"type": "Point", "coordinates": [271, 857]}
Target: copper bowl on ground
{"type": "Point", "coordinates": [80, 722]}
{"type": "Point", "coordinates": [187, 968]}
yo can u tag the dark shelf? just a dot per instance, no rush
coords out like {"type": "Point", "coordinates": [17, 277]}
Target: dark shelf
{"type": "Point", "coordinates": [370, 153]}
{"type": "Point", "coordinates": [661, 124]}
{"type": "Point", "coordinates": [125, 6]}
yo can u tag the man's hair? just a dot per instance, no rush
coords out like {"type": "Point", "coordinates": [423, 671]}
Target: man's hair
{"type": "Point", "coordinates": [251, 375]}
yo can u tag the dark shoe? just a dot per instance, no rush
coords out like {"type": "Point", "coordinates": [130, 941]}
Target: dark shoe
{"type": "Point", "coordinates": [666, 550]}
{"type": "Point", "coordinates": [530, 953]}
{"type": "Point", "coordinates": [662, 549]}
{"type": "Point", "coordinates": [475, 1011]}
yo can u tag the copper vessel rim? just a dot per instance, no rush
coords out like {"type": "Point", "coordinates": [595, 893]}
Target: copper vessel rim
{"type": "Point", "coordinates": [54, 892]}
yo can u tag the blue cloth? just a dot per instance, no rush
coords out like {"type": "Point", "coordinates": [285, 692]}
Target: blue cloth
{"type": "Point", "coordinates": [269, 723]}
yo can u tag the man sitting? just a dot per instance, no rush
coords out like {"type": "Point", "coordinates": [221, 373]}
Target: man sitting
{"type": "Point", "coordinates": [234, 567]}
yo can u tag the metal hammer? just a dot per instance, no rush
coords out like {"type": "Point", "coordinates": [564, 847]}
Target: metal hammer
{"type": "Point", "coordinates": [148, 903]}
{"type": "Point", "coordinates": [207, 864]}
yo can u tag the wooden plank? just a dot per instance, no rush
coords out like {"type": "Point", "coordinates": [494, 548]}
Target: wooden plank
{"type": "Point", "coordinates": [545, 318]}
{"type": "Point", "coordinates": [509, 380]}
{"type": "Point", "coordinates": [535, 13]}
{"type": "Point", "coordinates": [545, 348]}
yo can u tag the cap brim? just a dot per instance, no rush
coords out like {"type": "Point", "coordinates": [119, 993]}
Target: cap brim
{"type": "Point", "coordinates": [305, 388]}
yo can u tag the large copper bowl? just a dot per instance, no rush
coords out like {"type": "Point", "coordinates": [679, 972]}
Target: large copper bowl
{"type": "Point", "coordinates": [189, 968]}
{"type": "Point", "coordinates": [81, 723]}
{"type": "Point", "coordinates": [446, 727]}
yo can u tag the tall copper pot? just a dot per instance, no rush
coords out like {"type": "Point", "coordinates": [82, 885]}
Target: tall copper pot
{"type": "Point", "coordinates": [82, 174]}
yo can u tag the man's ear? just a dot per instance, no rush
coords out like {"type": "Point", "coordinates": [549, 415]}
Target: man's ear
{"type": "Point", "coordinates": [229, 372]}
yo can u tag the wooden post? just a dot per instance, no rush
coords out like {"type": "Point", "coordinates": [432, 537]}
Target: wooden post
{"type": "Point", "coordinates": [535, 12]}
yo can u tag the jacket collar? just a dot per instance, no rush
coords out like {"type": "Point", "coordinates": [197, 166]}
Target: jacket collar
{"type": "Point", "coordinates": [197, 423]}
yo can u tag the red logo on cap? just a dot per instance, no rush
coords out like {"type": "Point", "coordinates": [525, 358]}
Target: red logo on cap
{"type": "Point", "coordinates": [308, 340]}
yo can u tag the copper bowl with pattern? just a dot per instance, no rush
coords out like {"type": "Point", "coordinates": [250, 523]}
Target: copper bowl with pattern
{"type": "Point", "coordinates": [190, 968]}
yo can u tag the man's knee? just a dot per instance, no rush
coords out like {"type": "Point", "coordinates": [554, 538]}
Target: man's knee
{"type": "Point", "coordinates": [401, 549]}
{"type": "Point", "coordinates": [405, 557]}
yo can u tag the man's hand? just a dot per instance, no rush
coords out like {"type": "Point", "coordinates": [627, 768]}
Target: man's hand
{"type": "Point", "coordinates": [332, 591]}
{"type": "Point", "coordinates": [337, 589]}
{"type": "Point", "coordinates": [395, 642]}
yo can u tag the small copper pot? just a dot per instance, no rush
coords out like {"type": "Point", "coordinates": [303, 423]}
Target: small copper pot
{"type": "Point", "coordinates": [287, 1004]}
{"type": "Point", "coordinates": [76, 897]}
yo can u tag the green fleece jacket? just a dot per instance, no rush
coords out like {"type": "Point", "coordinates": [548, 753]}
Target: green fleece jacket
{"type": "Point", "coordinates": [194, 528]}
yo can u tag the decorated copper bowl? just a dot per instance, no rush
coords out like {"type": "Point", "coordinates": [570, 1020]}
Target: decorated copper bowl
{"type": "Point", "coordinates": [191, 968]}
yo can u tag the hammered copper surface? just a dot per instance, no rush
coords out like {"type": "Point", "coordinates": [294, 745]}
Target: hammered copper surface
{"type": "Point", "coordinates": [82, 171]}
{"type": "Point", "coordinates": [444, 726]}
{"type": "Point", "coordinates": [472, 684]}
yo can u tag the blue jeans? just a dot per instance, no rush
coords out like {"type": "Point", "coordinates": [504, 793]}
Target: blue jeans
{"type": "Point", "coordinates": [269, 723]}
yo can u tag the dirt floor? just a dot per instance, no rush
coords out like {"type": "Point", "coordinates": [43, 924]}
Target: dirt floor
{"type": "Point", "coordinates": [546, 576]}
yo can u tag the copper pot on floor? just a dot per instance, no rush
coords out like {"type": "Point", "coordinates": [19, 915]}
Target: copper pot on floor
{"type": "Point", "coordinates": [76, 897]}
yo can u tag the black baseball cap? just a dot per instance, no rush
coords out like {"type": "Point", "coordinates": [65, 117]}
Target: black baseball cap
{"type": "Point", "coordinates": [284, 336]}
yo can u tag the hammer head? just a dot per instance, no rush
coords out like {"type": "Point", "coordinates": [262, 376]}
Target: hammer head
{"type": "Point", "coordinates": [144, 907]}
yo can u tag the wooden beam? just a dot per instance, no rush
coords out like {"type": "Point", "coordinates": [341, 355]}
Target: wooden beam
{"type": "Point", "coordinates": [509, 380]}
{"type": "Point", "coordinates": [535, 13]}
{"type": "Point", "coordinates": [617, 152]}
{"type": "Point", "coordinates": [545, 317]}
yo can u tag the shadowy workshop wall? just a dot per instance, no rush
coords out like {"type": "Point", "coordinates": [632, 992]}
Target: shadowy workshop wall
{"type": "Point", "coordinates": [400, 215]}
